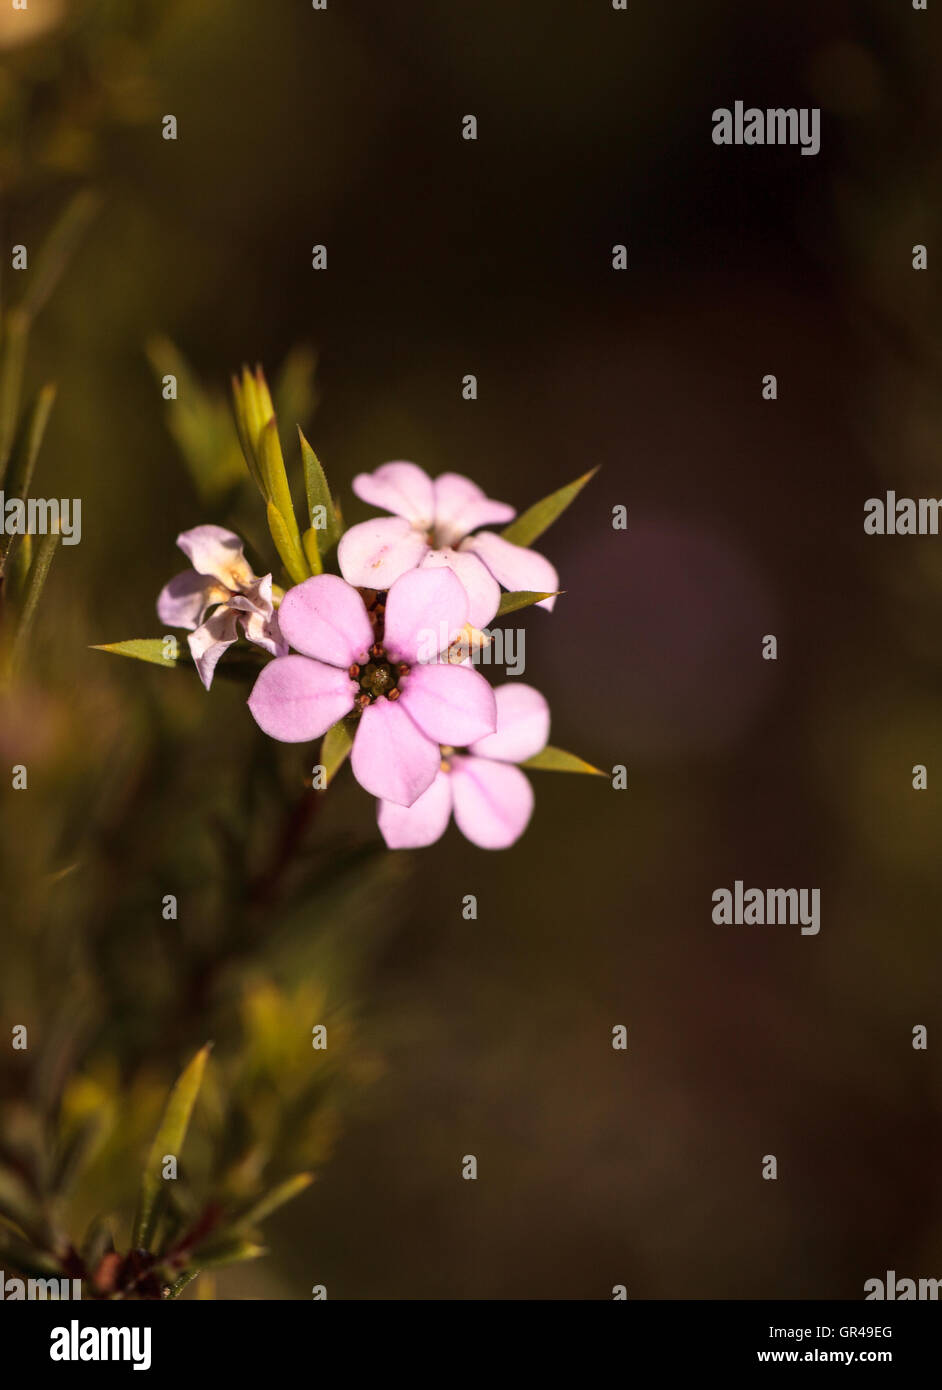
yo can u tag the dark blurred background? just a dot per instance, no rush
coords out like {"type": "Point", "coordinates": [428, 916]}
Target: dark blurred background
{"type": "Point", "coordinates": [448, 257]}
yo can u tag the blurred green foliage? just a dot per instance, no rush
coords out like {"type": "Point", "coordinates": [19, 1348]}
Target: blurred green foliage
{"type": "Point", "coordinates": [105, 985]}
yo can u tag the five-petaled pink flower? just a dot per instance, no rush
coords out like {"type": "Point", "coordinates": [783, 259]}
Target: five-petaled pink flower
{"type": "Point", "coordinates": [492, 800]}
{"type": "Point", "coordinates": [376, 661]}
{"type": "Point", "coordinates": [221, 579]}
{"type": "Point", "coordinates": [430, 527]}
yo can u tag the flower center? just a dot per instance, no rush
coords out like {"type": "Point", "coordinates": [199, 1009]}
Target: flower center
{"type": "Point", "coordinates": [379, 677]}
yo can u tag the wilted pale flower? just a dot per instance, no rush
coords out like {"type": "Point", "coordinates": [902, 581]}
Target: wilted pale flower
{"type": "Point", "coordinates": [221, 579]}
{"type": "Point", "coordinates": [370, 660]}
{"type": "Point", "coordinates": [431, 526]}
{"type": "Point", "coordinates": [492, 800]}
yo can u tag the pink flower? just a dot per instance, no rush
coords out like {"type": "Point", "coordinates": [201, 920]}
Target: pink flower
{"type": "Point", "coordinates": [492, 800]}
{"type": "Point", "coordinates": [431, 526]}
{"type": "Point", "coordinates": [221, 579]}
{"type": "Point", "coordinates": [353, 658]}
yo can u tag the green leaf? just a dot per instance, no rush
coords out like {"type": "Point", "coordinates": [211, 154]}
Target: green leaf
{"type": "Point", "coordinates": [18, 1256]}
{"type": "Point", "coordinates": [28, 441]}
{"type": "Point", "coordinates": [521, 598]}
{"type": "Point", "coordinates": [141, 649]}
{"type": "Point", "coordinates": [168, 1140]}
{"type": "Point", "coordinates": [242, 388]}
{"type": "Point", "coordinates": [12, 357]}
{"type": "Point", "coordinates": [291, 555]}
{"type": "Point", "coordinates": [272, 463]}
{"type": "Point", "coordinates": [335, 749]}
{"type": "Point", "coordinates": [75, 1154]}
{"type": "Point", "coordinates": [312, 551]}
{"type": "Point", "coordinates": [20, 564]}
{"type": "Point", "coordinates": [20, 1211]}
{"type": "Point", "coordinates": [284, 1192]}
{"type": "Point", "coordinates": [556, 760]}
{"type": "Point", "coordinates": [534, 521]}
{"type": "Point", "coordinates": [35, 583]}
{"type": "Point", "coordinates": [318, 495]}
{"type": "Point", "coordinates": [57, 249]}
{"type": "Point", "coordinates": [227, 1252]}
{"type": "Point", "coordinates": [201, 425]}
{"type": "Point", "coordinates": [175, 1289]}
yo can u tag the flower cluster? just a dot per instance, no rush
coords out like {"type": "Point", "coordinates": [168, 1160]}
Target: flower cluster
{"type": "Point", "coordinates": [378, 659]}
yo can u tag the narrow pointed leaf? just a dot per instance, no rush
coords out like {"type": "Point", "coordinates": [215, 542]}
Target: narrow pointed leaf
{"type": "Point", "coordinates": [19, 1257]}
{"type": "Point", "coordinates": [27, 444]}
{"type": "Point", "coordinates": [273, 467]}
{"type": "Point", "coordinates": [142, 649]}
{"type": "Point", "coordinates": [277, 1197]}
{"type": "Point", "coordinates": [312, 551]}
{"type": "Point", "coordinates": [74, 1155]}
{"type": "Point", "coordinates": [12, 356]}
{"type": "Point", "coordinates": [168, 1140]}
{"type": "Point", "coordinates": [521, 598]}
{"type": "Point", "coordinates": [201, 426]}
{"type": "Point", "coordinates": [557, 760]}
{"type": "Point", "coordinates": [20, 1210]}
{"type": "Point", "coordinates": [335, 749]}
{"type": "Point", "coordinates": [19, 565]}
{"type": "Point", "coordinates": [526, 528]}
{"type": "Point", "coordinates": [318, 495]}
{"type": "Point", "coordinates": [35, 583]}
{"type": "Point", "coordinates": [255, 418]}
{"type": "Point", "coordinates": [245, 437]}
{"type": "Point", "coordinates": [57, 250]}
{"type": "Point", "coordinates": [175, 1289]}
{"type": "Point", "coordinates": [291, 555]}
{"type": "Point", "coordinates": [228, 1252]}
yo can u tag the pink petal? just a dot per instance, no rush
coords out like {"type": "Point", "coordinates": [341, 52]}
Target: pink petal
{"type": "Point", "coordinates": [452, 704]}
{"type": "Point", "coordinates": [208, 642]}
{"type": "Point", "coordinates": [461, 506]}
{"type": "Point", "coordinates": [391, 757]}
{"type": "Point", "coordinates": [259, 620]}
{"type": "Point", "coordinates": [401, 488]}
{"type": "Point", "coordinates": [326, 618]}
{"type": "Point", "coordinates": [425, 611]}
{"type": "Point", "coordinates": [264, 632]}
{"type": "Point", "coordinates": [184, 601]}
{"type": "Point", "coordinates": [514, 566]}
{"type": "Point", "coordinates": [375, 553]}
{"type": "Point", "coordinates": [523, 724]}
{"type": "Point", "coordinates": [476, 579]}
{"type": "Point", "coordinates": [422, 823]}
{"type": "Point", "coordinates": [213, 550]}
{"type": "Point", "coordinates": [493, 802]}
{"type": "Point", "coordinates": [295, 699]}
